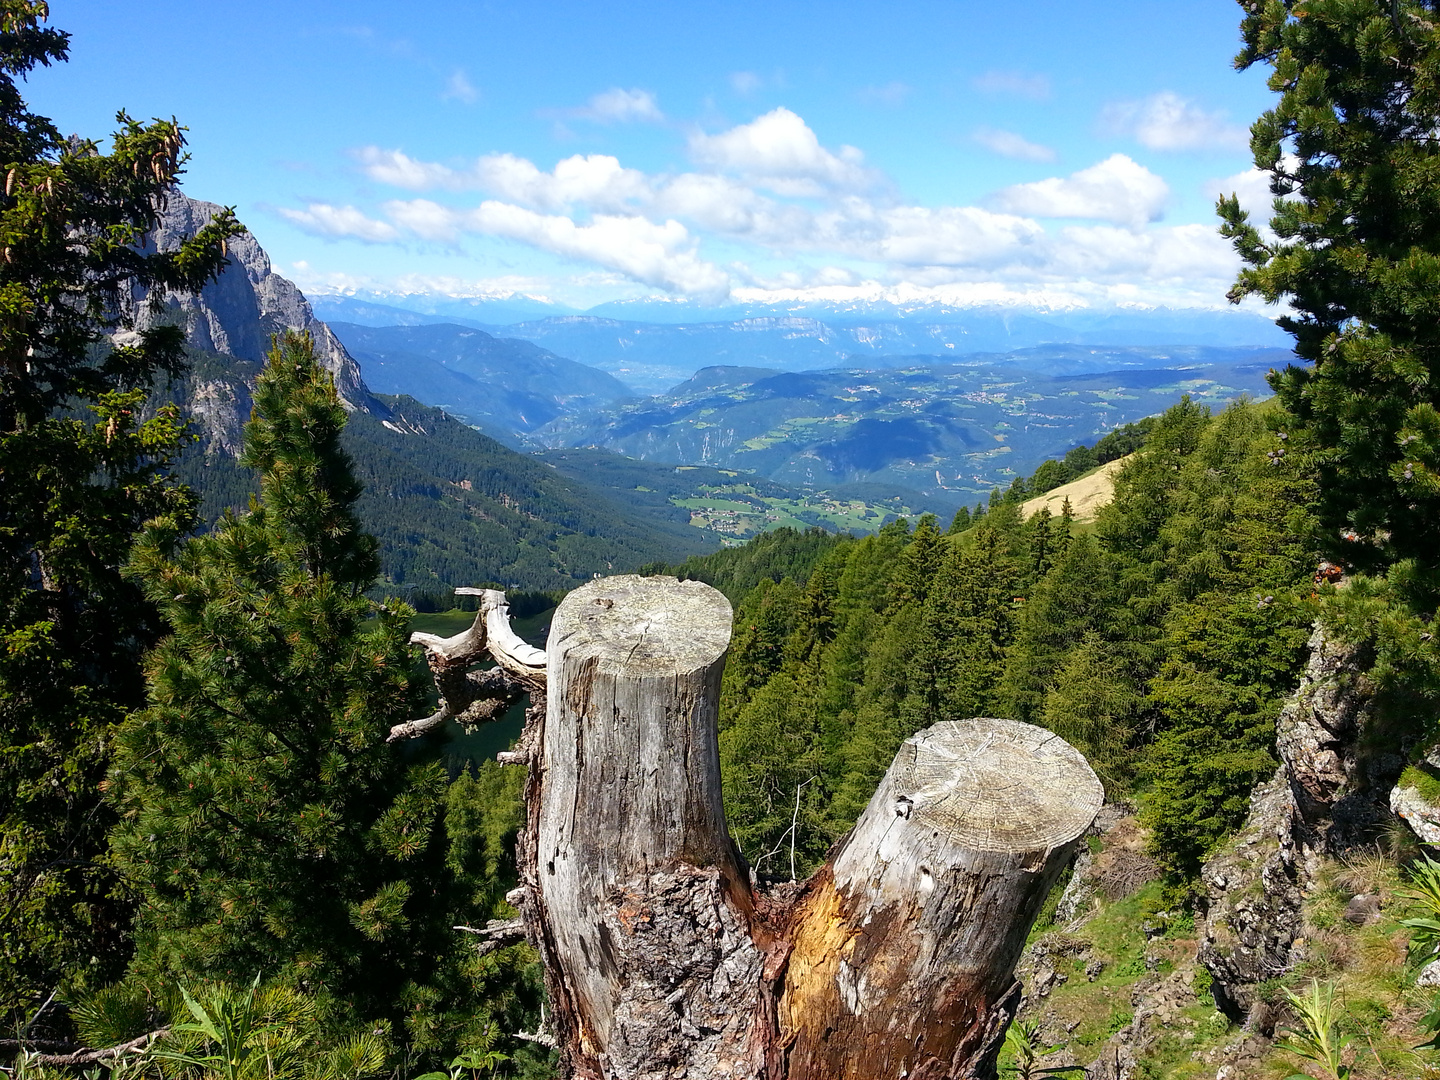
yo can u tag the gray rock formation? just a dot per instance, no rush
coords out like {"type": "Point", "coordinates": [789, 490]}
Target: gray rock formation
{"type": "Point", "coordinates": [236, 315]}
{"type": "Point", "coordinates": [1326, 797]}
{"type": "Point", "coordinates": [1415, 810]}
{"type": "Point", "coordinates": [1160, 1002]}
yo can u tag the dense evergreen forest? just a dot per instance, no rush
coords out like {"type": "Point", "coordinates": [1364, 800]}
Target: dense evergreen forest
{"type": "Point", "coordinates": [1160, 642]}
{"type": "Point", "coordinates": [454, 508]}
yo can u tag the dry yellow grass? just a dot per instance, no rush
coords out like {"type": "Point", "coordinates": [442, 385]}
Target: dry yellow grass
{"type": "Point", "coordinates": [1087, 495]}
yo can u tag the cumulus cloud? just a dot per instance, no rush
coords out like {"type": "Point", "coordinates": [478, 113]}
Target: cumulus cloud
{"type": "Point", "coordinates": [805, 215]}
{"type": "Point", "coordinates": [656, 253]}
{"type": "Point", "coordinates": [616, 105]}
{"type": "Point", "coordinates": [1167, 121]}
{"type": "Point", "coordinates": [322, 219]}
{"type": "Point", "coordinates": [1008, 144]}
{"type": "Point", "coordinates": [1117, 189]}
{"type": "Point", "coordinates": [458, 87]}
{"type": "Point", "coordinates": [1013, 84]}
{"type": "Point", "coordinates": [955, 236]}
{"type": "Point", "coordinates": [662, 254]}
{"type": "Point", "coordinates": [780, 151]}
{"type": "Point", "coordinates": [398, 169]}
{"type": "Point", "coordinates": [596, 180]}
{"type": "Point", "coordinates": [1178, 253]}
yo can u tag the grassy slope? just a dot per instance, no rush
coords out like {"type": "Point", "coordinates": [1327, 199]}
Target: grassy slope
{"type": "Point", "coordinates": [1087, 494]}
{"type": "Point", "coordinates": [1110, 970]}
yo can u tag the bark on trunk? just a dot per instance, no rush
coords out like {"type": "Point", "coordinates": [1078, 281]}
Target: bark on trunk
{"type": "Point", "coordinates": [644, 900]}
{"type": "Point", "coordinates": [664, 959]}
{"type": "Point", "coordinates": [904, 946]}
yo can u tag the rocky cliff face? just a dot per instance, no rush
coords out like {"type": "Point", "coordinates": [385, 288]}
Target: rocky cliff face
{"type": "Point", "coordinates": [1330, 794]}
{"type": "Point", "coordinates": [235, 316]}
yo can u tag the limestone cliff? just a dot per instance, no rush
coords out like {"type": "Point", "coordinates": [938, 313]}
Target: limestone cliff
{"type": "Point", "coordinates": [235, 316]}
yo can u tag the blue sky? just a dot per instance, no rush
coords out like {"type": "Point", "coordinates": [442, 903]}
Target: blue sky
{"type": "Point", "coordinates": [1048, 153]}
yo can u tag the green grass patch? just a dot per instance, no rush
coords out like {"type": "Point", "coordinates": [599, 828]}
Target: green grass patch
{"type": "Point", "coordinates": [1424, 778]}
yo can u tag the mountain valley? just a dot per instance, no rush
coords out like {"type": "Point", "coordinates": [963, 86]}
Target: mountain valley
{"type": "Point", "coordinates": [947, 431]}
{"type": "Point", "coordinates": [449, 505]}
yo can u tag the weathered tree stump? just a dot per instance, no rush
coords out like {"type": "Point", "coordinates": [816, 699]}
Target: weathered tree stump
{"type": "Point", "coordinates": [644, 899]}
{"type": "Point", "coordinates": [905, 944]}
{"type": "Point", "coordinates": [663, 958]}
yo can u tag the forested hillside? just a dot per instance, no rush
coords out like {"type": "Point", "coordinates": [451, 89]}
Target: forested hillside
{"type": "Point", "coordinates": [453, 508]}
{"type": "Point", "coordinates": [1161, 643]}
{"type": "Point", "coordinates": [503, 386]}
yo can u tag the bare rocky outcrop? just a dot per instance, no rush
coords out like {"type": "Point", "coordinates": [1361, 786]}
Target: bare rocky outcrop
{"type": "Point", "coordinates": [236, 315]}
{"type": "Point", "coordinates": [1328, 795]}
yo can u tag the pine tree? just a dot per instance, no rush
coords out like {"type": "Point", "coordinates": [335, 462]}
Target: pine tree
{"type": "Point", "coordinates": [1066, 605]}
{"type": "Point", "coordinates": [81, 469]}
{"type": "Point", "coordinates": [266, 824]}
{"type": "Point", "coordinates": [1354, 251]}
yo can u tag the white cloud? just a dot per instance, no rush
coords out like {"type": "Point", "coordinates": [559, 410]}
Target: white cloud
{"type": "Point", "coordinates": [661, 254]}
{"type": "Point", "coordinates": [619, 106]}
{"type": "Point", "coordinates": [892, 94]}
{"type": "Point", "coordinates": [458, 87]}
{"type": "Point", "coordinates": [1117, 189]}
{"type": "Point", "coordinates": [322, 219]}
{"type": "Point", "coordinates": [396, 168]}
{"type": "Point", "coordinates": [955, 236]}
{"type": "Point", "coordinates": [780, 151]}
{"type": "Point", "coordinates": [598, 181]}
{"type": "Point", "coordinates": [791, 213]}
{"type": "Point", "coordinates": [1178, 253]}
{"type": "Point", "coordinates": [656, 253]}
{"type": "Point", "coordinates": [1167, 121]}
{"type": "Point", "coordinates": [1013, 84]}
{"type": "Point", "coordinates": [426, 219]}
{"type": "Point", "coordinates": [1008, 144]}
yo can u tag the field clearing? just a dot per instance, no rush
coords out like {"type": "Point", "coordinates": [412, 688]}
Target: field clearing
{"type": "Point", "coordinates": [1087, 495]}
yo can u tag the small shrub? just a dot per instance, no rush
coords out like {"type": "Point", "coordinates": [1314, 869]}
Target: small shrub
{"type": "Point", "coordinates": [1318, 1037]}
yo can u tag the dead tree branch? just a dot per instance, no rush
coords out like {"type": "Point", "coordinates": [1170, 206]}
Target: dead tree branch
{"type": "Point", "coordinates": [85, 1055]}
{"type": "Point", "coordinates": [473, 697]}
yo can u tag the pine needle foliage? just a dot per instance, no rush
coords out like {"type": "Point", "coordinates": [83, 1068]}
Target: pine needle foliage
{"type": "Point", "coordinates": [81, 468]}
{"type": "Point", "coordinates": [1353, 247]}
{"type": "Point", "coordinates": [266, 824]}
